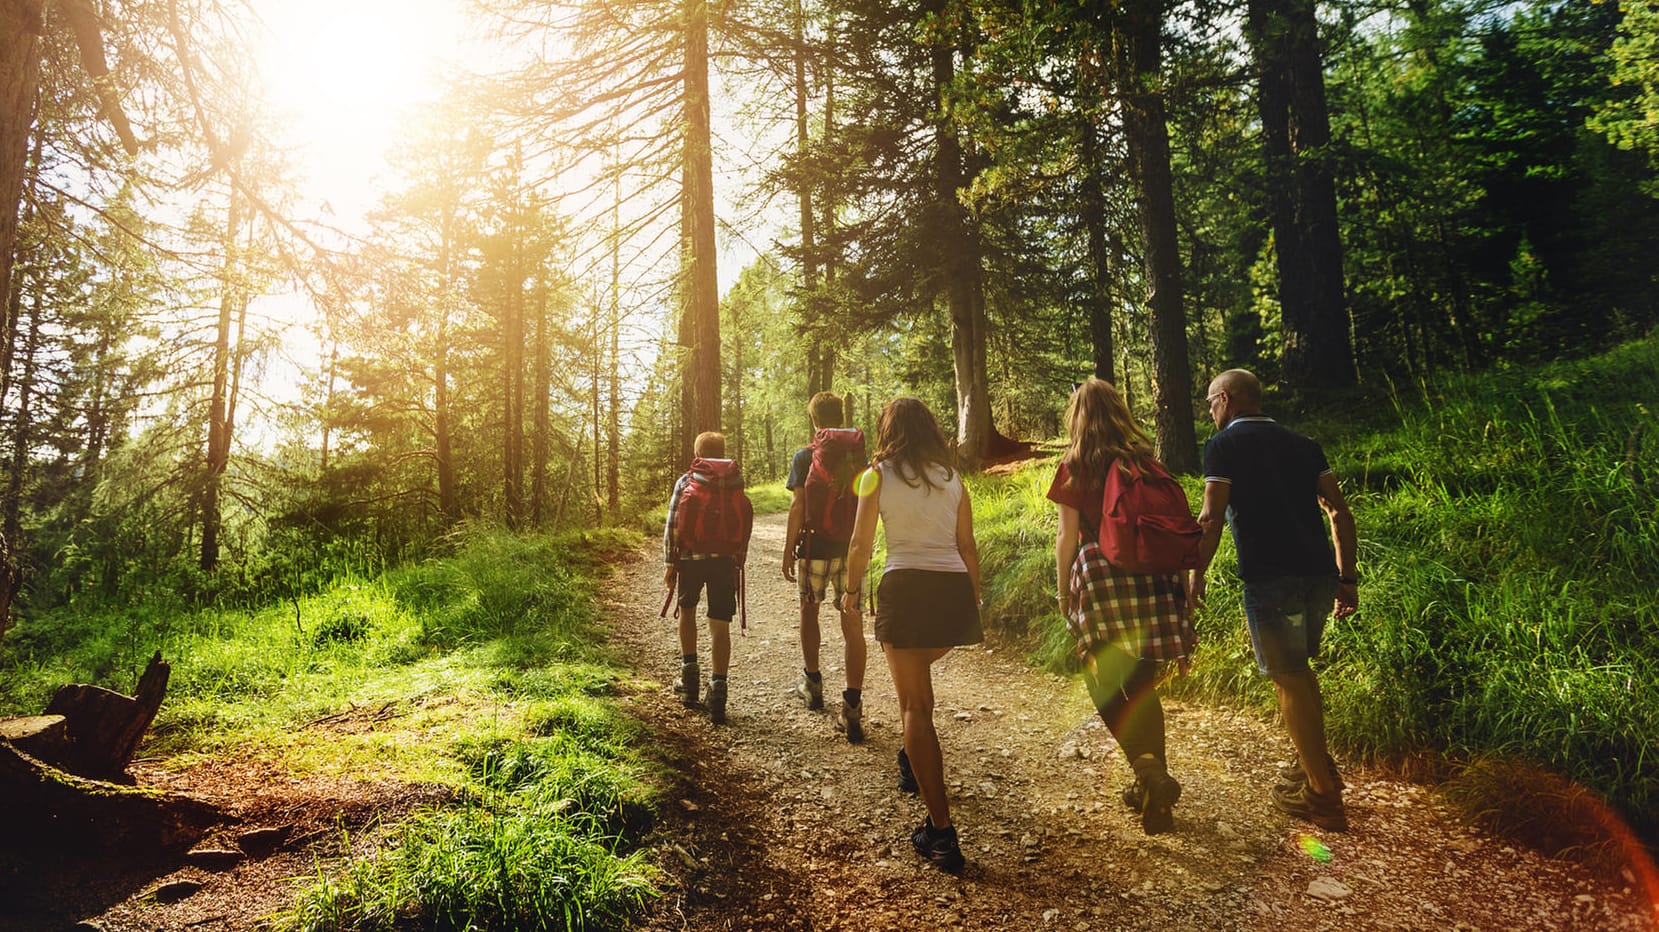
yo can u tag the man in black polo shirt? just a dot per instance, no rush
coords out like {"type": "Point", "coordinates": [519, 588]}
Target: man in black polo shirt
{"type": "Point", "coordinates": [1271, 484]}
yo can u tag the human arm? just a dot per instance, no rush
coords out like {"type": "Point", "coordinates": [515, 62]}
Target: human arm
{"type": "Point", "coordinates": [965, 544]}
{"type": "Point", "coordinates": [1345, 539]}
{"type": "Point", "coordinates": [797, 511]}
{"type": "Point", "coordinates": [1065, 551]}
{"type": "Point", "coordinates": [863, 540]}
{"type": "Point", "coordinates": [1212, 517]}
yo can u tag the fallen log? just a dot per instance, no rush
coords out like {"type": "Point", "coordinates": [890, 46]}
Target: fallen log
{"type": "Point", "coordinates": [49, 807]}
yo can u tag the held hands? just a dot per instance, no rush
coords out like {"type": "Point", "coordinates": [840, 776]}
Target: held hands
{"type": "Point", "coordinates": [1347, 600]}
{"type": "Point", "coordinates": [1195, 589]}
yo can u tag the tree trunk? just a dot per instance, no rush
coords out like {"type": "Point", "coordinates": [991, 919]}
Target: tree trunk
{"type": "Point", "coordinates": [1140, 54]}
{"type": "Point", "coordinates": [959, 268]}
{"type": "Point", "coordinates": [11, 526]}
{"type": "Point", "coordinates": [1317, 349]}
{"type": "Point", "coordinates": [810, 304]}
{"type": "Point", "coordinates": [104, 728]}
{"type": "Point", "coordinates": [1099, 299]}
{"type": "Point", "coordinates": [541, 436]}
{"type": "Point", "coordinates": [20, 23]}
{"type": "Point", "coordinates": [218, 414]}
{"type": "Point", "coordinates": [703, 284]}
{"type": "Point", "coordinates": [512, 366]}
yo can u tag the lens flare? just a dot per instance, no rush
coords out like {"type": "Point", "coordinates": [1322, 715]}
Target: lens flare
{"type": "Point", "coordinates": [1314, 848]}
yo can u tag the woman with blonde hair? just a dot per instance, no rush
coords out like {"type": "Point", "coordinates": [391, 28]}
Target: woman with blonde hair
{"type": "Point", "coordinates": [928, 598]}
{"type": "Point", "coordinates": [1125, 624]}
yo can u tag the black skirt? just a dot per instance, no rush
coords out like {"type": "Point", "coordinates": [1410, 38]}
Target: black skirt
{"type": "Point", "coordinates": [926, 608]}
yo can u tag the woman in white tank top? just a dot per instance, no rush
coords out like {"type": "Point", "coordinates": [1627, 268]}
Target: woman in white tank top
{"type": "Point", "coordinates": [928, 599]}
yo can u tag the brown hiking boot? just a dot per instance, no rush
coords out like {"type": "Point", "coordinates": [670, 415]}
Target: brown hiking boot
{"type": "Point", "coordinates": [1303, 803]}
{"type": "Point", "coordinates": [1292, 774]}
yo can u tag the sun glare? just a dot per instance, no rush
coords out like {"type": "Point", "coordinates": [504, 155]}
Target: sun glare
{"type": "Point", "coordinates": [345, 74]}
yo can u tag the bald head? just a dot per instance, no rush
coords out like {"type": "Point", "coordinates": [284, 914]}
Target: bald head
{"type": "Point", "coordinates": [1242, 385]}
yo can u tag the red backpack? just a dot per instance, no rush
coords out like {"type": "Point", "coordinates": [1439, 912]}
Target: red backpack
{"type": "Point", "coordinates": [714, 514]}
{"type": "Point", "coordinates": [831, 500]}
{"type": "Point", "coordinates": [1146, 525]}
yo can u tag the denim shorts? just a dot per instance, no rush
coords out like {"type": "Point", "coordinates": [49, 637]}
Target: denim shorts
{"type": "Point", "coordinates": [1287, 618]}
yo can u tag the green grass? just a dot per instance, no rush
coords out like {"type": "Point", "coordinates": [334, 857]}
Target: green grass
{"type": "Point", "coordinates": [482, 670]}
{"type": "Point", "coordinates": [1509, 540]}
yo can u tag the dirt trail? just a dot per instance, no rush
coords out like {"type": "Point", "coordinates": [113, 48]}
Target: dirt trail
{"type": "Point", "coordinates": [783, 825]}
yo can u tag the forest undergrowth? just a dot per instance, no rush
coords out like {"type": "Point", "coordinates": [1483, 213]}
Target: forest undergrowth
{"type": "Point", "coordinates": [1505, 644]}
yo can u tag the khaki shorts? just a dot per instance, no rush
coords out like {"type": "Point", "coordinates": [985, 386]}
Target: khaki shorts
{"type": "Point", "coordinates": [813, 577]}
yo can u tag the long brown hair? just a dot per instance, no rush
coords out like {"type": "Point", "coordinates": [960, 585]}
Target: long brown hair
{"type": "Point", "coordinates": [1102, 432]}
{"type": "Point", "coordinates": [908, 436]}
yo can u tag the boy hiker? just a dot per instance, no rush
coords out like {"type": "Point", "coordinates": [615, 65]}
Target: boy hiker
{"type": "Point", "coordinates": [1271, 484]}
{"type": "Point", "coordinates": [821, 514]}
{"type": "Point", "coordinates": [704, 542]}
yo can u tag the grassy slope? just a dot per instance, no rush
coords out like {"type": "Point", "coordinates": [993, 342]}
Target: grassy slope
{"type": "Point", "coordinates": [1509, 542]}
{"type": "Point", "coordinates": [491, 662]}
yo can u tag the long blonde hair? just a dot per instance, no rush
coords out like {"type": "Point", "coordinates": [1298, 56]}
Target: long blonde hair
{"type": "Point", "coordinates": [1102, 432]}
{"type": "Point", "coordinates": [908, 436]}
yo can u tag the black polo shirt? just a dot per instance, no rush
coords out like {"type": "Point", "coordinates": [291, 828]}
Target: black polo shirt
{"type": "Point", "coordinates": [1273, 508]}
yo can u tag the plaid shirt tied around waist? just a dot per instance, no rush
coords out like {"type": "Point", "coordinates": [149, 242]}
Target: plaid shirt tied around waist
{"type": "Point", "coordinates": [1146, 615]}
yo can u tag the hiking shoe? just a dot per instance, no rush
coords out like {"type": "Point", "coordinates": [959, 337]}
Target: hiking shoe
{"type": "Point", "coordinates": [1134, 795]}
{"type": "Point", "coordinates": [1158, 793]}
{"type": "Point", "coordinates": [811, 692]}
{"type": "Point", "coordinates": [907, 777]}
{"type": "Point", "coordinates": [850, 719]}
{"type": "Point", "coordinates": [1292, 774]}
{"type": "Point", "coordinates": [938, 845]}
{"type": "Point", "coordinates": [1158, 805]}
{"type": "Point", "coordinates": [685, 686]}
{"type": "Point", "coordinates": [717, 701]}
{"type": "Point", "coordinates": [1303, 803]}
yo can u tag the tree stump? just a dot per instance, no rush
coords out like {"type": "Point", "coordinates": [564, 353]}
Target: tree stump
{"type": "Point", "coordinates": [47, 807]}
{"type": "Point", "coordinates": [105, 727]}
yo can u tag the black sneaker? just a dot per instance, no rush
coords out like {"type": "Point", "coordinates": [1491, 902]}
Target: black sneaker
{"type": "Point", "coordinates": [938, 845]}
{"type": "Point", "coordinates": [717, 701]}
{"type": "Point", "coordinates": [685, 686]}
{"type": "Point", "coordinates": [1134, 795]}
{"type": "Point", "coordinates": [1158, 795]}
{"type": "Point", "coordinates": [1158, 805]}
{"type": "Point", "coordinates": [850, 719]}
{"type": "Point", "coordinates": [907, 777]}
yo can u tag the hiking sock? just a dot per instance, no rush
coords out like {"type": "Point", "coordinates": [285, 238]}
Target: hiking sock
{"type": "Point", "coordinates": [852, 697]}
{"type": "Point", "coordinates": [688, 658]}
{"type": "Point", "coordinates": [717, 678]}
{"type": "Point", "coordinates": [817, 676]}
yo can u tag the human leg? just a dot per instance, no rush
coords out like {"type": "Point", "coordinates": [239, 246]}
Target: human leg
{"type": "Point", "coordinates": [1124, 690]}
{"type": "Point", "coordinates": [913, 681]}
{"type": "Point", "coordinates": [1303, 708]}
{"type": "Point", "coordinates": [810, 686]}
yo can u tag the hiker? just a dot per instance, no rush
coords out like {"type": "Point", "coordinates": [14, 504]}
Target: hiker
{"type": "Point", "coordinates": [1270, 483]}
{"type": "Point", "coordinates": [1126, 623]}
{"type": "Point", "coordinates": [821, 512]}
{"type": "Point", "coordinates": [704, 542]}
{"type": "Point", "coordinates": [928, 599]}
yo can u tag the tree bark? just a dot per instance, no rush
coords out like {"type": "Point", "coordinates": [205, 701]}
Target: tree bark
{"type": "Point", "coordinates": [1318, 351]}
{"type": "Point", "coordinates": [703, 284]}
{"type": "Point", "coordinates": [1099, 299]}
{"type": "Point", "coordinates": [1140, 54]}
{"type": "Point", "coordinates": [20, 23]}
{"type": "Point", "coordinates": [49, 808]}
{"type": "Point", "coordinates": [218, 414]}
{"type": "Point", "coordinates": [959, 265]}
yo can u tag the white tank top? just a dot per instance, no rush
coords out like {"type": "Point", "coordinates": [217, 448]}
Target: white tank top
{"type": "Point", "coordinates": [921, 520]}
